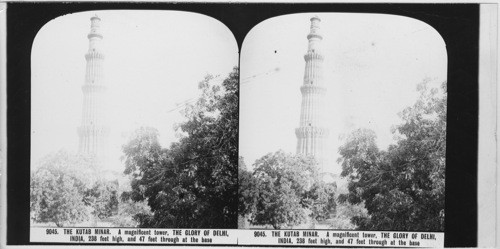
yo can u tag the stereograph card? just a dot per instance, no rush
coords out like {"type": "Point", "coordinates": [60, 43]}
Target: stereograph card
{"type": "Point", "coordinates": [255, 124]}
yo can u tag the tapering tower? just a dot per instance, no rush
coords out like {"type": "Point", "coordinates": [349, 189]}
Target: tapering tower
{"type": "Point", "coordinates": [93, 131]}
{"type": "Point", "coordinates": [312, 131]}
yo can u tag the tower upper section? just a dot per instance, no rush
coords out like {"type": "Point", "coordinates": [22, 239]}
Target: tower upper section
{"type": "Point", "coordinates": [95, 57]}
{"type": "Point", "coordinates": [313, 76]}
{"type": "Point", "coordinates": [95, 35]}
{"type": "Point", "coordinates": [314, 35]}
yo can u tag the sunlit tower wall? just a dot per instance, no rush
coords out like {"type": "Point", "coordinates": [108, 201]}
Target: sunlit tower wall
{"type": "Point", "coordinates": [94, 132]}
{"type": "Point", "coordinates": [312, 131]}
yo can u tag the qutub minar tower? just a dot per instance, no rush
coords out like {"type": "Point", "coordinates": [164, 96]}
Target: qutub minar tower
{"type": "Point", "coordinates": [312, 131]}
{"type": "Point", "coordinates": [93, 131]}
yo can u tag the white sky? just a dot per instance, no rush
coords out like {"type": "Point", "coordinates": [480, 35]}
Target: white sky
{"type": "Point", "coordinates": [154, 61]}
{"type": "Point", "coordinates": [373, 63]}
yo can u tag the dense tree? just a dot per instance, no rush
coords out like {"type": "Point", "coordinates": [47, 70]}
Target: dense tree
{"type": "Point", "coordinates": [57, 198]}
{"type": "Point", "coordinates": [402, 188]}
{"type": "Point", "coordinates": [320, 199]}
{"type": "Point", "coordinates": [57, 190]}
{"type": "Point", "coordinates": [193, 183]}
{"type": "Point", "coordinates": [285, 191]}
{"type": "Point", "coordinates": [247, 189]}
{"type": "Point", "coordinates": [67, 190]}
{"type": "Point", "coordinates": [103, 198]}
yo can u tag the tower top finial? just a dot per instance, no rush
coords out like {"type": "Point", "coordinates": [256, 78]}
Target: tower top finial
{"type": "Point", "coordinates": [315, 17]}
{"type": "Point", "coordinates": [95, 17]}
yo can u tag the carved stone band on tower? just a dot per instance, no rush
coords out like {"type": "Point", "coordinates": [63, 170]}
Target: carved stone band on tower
{"type": "Point", "coordinates": [94, 132]}
{"type": "Point", "coordinates": [312, 131]}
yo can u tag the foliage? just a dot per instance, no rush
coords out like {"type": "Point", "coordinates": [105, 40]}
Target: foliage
{"type": "Point", "coordinates": [103, 198]}
{"type": "Point", "coordinates": [403, 187]}
{"type": "Point", "coordinates": [320, 199]}
{"type": "Point", "coordinates": [193, 183]}
{"type": "Point", "coordinates": [57, 199]}
{"type": "Point", "coordinates": [283, 191]}
{"type": "Point", "coordinates": [247, 189]}
{"type": "Point", "coordinates": [66, 190]}
{"type": "Point", "coordinates": [345, 211]}
{"type": "Point", "coordinates": [126, 212]}
{"type": "Point", "coordinates": [57, 192]}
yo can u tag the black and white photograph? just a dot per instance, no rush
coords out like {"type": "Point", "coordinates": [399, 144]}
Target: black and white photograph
{"type": "Point", "coordinates": [343, 123]}
{"type": "Point", "coordinates": [134, 121]}
{"type": "Point", "coordinates": [248, 124]}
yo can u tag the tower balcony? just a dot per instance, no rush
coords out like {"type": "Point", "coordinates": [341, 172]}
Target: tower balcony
{"type": "Point", "coordinates": [90, 130]}
{"type": "Point", "coordinates": [312, 89]}
{"type": "Point", "coordinates": [93, 54]}
{"type": "Point", "coordinates": [311, 131]}
{"type": "Point", "coordinates": [314, 35]}
{"type": "Point", "coordinates": [87, 88]}
{"type": "Point", "coordinates": [313, 55]}
{"type": "Point", "coordinates": [92, 35]}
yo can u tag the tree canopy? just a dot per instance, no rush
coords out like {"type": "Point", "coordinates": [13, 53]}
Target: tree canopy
{"type": "Point", "coordinates": [403, 187]}
{"type": "Point", "coordinates": [284, 190]}
{"type": "Point", "coordinates": [193, 182]}
{"type": "Point", "coordinates": [66, 190]}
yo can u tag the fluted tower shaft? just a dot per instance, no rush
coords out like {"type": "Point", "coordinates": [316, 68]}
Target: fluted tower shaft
{"type": "Point", "coordinates": [312, 131]}
{"type": "Point", "coordinates": [94, 131]}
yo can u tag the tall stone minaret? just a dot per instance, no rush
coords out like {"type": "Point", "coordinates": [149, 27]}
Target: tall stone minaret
{"type": "Point", "coordinates": [312, 131]}
{"type": "Point", "coordinates": [93, 131]}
